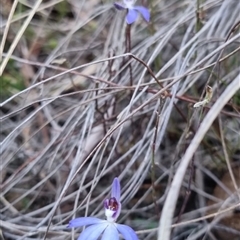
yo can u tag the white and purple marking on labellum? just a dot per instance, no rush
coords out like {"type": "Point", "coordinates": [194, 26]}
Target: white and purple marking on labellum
{"type": "Point", "coordinates": [108, 228]}
{"type": "Point", "coordinates": [133, 10]}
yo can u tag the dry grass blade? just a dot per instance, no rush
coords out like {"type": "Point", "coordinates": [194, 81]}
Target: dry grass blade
{"type": "Point", "coordinates": [80, 90]}
{"type": "Point", "coordinates": [7, 27]}
{"type": "Point", "coordinates": [19, 35]}
{"type": "Point", "coordinates": [170, 204]}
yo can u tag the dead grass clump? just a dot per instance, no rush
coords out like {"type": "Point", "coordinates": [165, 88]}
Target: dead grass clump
{"type": "Point", "coordinates": [86, 98]}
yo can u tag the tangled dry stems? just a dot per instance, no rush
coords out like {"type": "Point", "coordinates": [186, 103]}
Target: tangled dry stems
{"type": "Point", "coordinates": [78, 123]}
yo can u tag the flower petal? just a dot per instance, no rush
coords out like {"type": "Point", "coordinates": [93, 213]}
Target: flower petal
{"type": "Point", "coordinates": [111, 232]}
{"type": "Point", "coordinates": [84, 221]}
{"type": "Point", "coordinates": [93, 232]}
{"type": "Point", "coordinates": [144, 12]}
{"type": "Point", "coordinates": [127, 232]}
{"type": "Point", "coordinates": [116, 189]}
{"type": "Point", "coordinates": [119, 6]}
{"type": "Point", "coordinates": [131, 16]}
{"type": "Point", "coordinates": [129, 3]}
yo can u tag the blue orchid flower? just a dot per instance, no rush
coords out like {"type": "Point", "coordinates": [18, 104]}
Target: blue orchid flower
{"type": "Point", "coordinates": [108, 228]}
{"type": "Point", "coordinates": [133, 10]}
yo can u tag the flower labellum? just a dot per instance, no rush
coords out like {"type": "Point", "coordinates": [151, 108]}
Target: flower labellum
{"type": "Point", "coordinates": [133, 11]}
{"type": "Point", "coordinates": [108, 229]}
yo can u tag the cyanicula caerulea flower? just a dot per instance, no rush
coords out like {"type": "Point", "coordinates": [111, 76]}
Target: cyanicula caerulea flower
{"type": "Point", "coordinates": [108, 228]}
{"type": "Point", "coordinates": [133, 10]}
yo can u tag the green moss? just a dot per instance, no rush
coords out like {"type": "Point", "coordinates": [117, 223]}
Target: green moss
{"type": "Point", "coordinates": [62, 9]}
{"type": "Point", "coordinates": [11, 81]}
{"type": "Point", "coordinates": [51, 44]}
{"type": "Point", "coordinates": [236, 99]}
{"type": "Point", "coordinates": [29, 33]}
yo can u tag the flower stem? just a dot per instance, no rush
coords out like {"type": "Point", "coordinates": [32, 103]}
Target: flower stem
{"type": "Point", "coordinates": [128, 50]}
